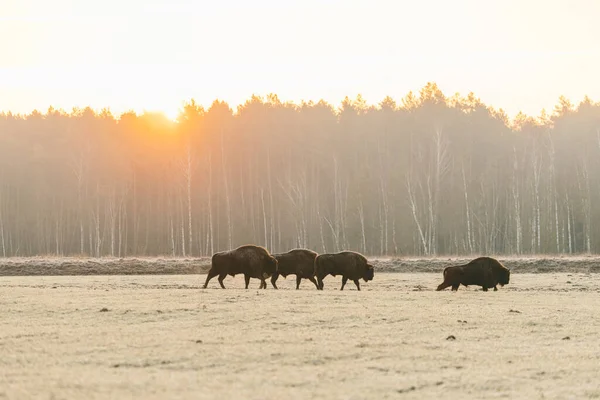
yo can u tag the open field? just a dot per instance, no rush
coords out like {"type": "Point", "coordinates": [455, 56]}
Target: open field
{"type": "Point", "coordinates": [24, 266]}
{"type": "Point", "coordinates": [156, 337]}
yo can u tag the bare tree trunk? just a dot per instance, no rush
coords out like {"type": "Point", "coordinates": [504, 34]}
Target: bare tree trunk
{"type": "Point", "coordinates": [123, 229]}
{"type": "Point", "coordinates": [188, 175]}
{"type": "Point", "coordinates": [536, 193]}
{"type": "Point", "coordinates": [79, 172]}
{"type": "Point", "coordinates": [262, 200]}
{"type": "Point", "coordinates": [394, 236]}
{"type": "Point", "coordinates": [242, 192]}
{"type": "Point", "coordinates": [323, 247]}
{"type": "Point", "coordinates": [225, 182]}
{"type": "Point", "coordinates": [431, 222]}
{"type": "Point", "coordinates": [469, 234]}
{"type": "Point", "coordinates": [2, 239]}
{"type": "Point", "coordinates": [135, 215]}
{"type": "Point", "coordinates": [182, 225]}
{"type": "Point", "coordinates": [344, 216]}
{"type": "Point", "coordinates": [122, 219]}
{"type": "Point", "coordinates": [278, 231]}
{"type": "Point", "coordinates": [361, 214]}
{"type": "Point", "coordinates": [586, 204]}
{"type": "Point", "coordinates": [494, 229]}
{"type": "Point", "coordinates": [569, 235]}
{"type": "Point", "coordinates": [381, 227]}
{"type": "Point", "coordinates": [271, 212]}
{"type": "Point", "coordinates": [113, 221]}
{"type": "Point", "coordinates": [57, 227]}
{"type": "Point", "coordinates": [441, 168]}
{"type": "Point", "coordinates": [334, 234]}
{"type": "Point", "coordinates": [517, 205]}
{"type": "Point", "coordinates": [337, 212]}
{"type": "Point", "coordinates": [173, 246]}
{"type": "Point", "coordinates": [413, 207]}
{"type": "Point", "coordinates": [556, 222]}
{"type": "Point", "coordinates": [253, 208]}
{"type": "Point", "coordinates": [210, 219]}
{"type": "Point", "coordinates": [98, 239]}
{"type": "Point", "coordinates": [304, 201]}
{"type": "Point", "coordinates": [384, 199]}
{"type": "Point", "coordinates": [554, 190]}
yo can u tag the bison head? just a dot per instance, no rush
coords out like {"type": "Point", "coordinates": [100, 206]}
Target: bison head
{"type": "Point", "coordinates": [504, 277]}
{"type": "Point", "coordinates": [323, 265]}
{"type": "Point", "coordinates": [369, 273]}
{"type": "Point", "coordinates": [270, 265]}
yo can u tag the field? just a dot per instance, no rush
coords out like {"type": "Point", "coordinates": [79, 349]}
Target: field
{"type": "Point", "coordinates": [161, 336]}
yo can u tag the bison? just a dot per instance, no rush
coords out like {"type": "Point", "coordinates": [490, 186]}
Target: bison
{"type": "Point", "coordinates": [348, 264]}
{"type": "Point", "coordinates": [252, 261]}
{"type": "Point", "coordinates": [486, 272]}
{"type": "Point", "coordinates": [299, 262]}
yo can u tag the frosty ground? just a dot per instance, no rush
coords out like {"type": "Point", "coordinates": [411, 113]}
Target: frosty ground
{"type": "Point", "coordinates": [162, 336]}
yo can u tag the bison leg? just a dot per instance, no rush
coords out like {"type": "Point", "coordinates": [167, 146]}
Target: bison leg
{"type": "Point", "coordinates": [298, 280]}
{"type": "Point", "coordinates": [221, 277]}
{"type": "Point", "coordinates": [274, 279]}
{"type": "Point", "coordinates": [495, 288]}
{"type": "Point", "coordinates": [312, 279]}
{"type": "Point", "coordinates": [357, 283]}
{"type": "Point", "coordinates": [455, 287]}
{"type": "Point", "coordinates": [319, 283]}
{"type": "Point", "coordinates": [263, 284]}
{"type": "Point", "coordinates": [211, 274]}
{"type": "Point", "coordinates": [485, 289]}
{"type": "Point", "coordinates": [344, 280]}
{"type": "Point", "coordinates": [247, 280]}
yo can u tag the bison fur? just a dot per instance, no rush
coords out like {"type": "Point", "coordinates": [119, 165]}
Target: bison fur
{"type": "Point", "coordinates": [249, 260]}
{"type": "Point", "coordinates": [348, 264]}
{"type": "Point", "coordinates": [299, 262]}
{"type": "Point", "coordinates": [486, 272]}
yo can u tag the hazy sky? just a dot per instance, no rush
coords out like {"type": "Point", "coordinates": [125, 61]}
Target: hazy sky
{"type": "Point", "coordinates": [154, 54]}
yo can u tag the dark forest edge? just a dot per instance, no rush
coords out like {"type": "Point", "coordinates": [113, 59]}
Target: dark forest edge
{"type": "Point", "coordinates": [430, 176]}
{"type": "Point", "coordinates": [72, 266]}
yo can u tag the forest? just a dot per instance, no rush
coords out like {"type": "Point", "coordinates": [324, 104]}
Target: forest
{"type": "Point", "coordinates": [428, 175]}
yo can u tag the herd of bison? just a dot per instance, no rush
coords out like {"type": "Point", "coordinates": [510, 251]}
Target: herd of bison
{"type": "Point", "coordinates": [256, 262]}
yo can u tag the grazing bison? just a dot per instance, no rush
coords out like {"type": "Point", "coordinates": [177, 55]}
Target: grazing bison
{"type": "Point", "coordinates": [348, 264]}
{"type": "Point", "coordinates": [252, 261]}
{"type": "Point", "coordinates": [486, 272]}
{"type": "Point", "coordinates": [299, 262]}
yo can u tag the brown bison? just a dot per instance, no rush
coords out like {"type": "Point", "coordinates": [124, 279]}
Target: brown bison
{"type": "Point", "coordinates": [486, 272]}
{"type": "Point", "coordinates": [252, 261]}
{"type": "Point", "coordinates": [299, 262]}
{"type": "Point", "coordinates": [348, 264]}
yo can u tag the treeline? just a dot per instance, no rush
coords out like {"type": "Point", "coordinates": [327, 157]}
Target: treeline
{"type": "Point", "coordinates": [431, 175]}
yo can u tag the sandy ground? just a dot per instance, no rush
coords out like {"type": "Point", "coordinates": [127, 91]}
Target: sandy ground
{"type": "Point", "coordinates": [64, 266]}
{"type": "Point", "coordinates": [163, 337]}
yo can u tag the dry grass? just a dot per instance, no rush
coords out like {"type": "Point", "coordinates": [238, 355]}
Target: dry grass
{"type": "Point", "coordinates": [157, 337]}
{"type": "Point", "coordinates": [179, 266]}
{"type": "Point", "coordinates": [55, 266]}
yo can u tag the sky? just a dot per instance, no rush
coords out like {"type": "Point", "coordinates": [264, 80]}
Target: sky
{"type": "Point", "coordinates": [519, 55]}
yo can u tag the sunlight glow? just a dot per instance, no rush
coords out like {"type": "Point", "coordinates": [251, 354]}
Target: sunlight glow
{"type": "Point", "coordinates": [170, 113]}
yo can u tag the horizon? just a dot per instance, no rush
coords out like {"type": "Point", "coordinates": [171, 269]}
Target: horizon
{"type": "Point", "coordinates": [264, 98]}
{"type": "Point", "coordinates": [156, 55]}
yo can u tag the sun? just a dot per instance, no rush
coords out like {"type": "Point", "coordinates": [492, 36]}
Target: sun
{"type": "Point", "coordinates": [171, 113]}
